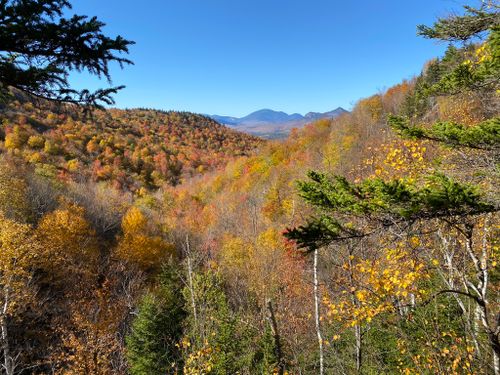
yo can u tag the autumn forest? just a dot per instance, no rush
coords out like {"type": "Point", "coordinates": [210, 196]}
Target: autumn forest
{"type": "Point", "coordinates": [141, 241]}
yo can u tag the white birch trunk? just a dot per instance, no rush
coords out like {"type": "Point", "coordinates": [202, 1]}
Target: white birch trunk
{"type": "Point", "coordinates": [8, 362]}
{"type": "Point", "coordinates": [190, 282]}
{"type": "Point", "coordinates": [317, 314]}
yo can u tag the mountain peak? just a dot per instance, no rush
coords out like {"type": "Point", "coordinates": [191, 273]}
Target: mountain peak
{"type": "Point", "coordinates": [267, 122]}
{"type": "Point", "coordinates": [330, 114]}
{"type": "Point", "coordinates": [267, 116]}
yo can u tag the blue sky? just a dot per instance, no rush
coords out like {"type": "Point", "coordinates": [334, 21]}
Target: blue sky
{"type": "Point", "coordinates": [231, 57]}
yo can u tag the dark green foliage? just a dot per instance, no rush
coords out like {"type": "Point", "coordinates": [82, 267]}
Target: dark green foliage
{"type": "Point", "coordinates": [225, 340]}
{"type": "Point", "coordinates": [419, 101]}
{"type": "Point", "coordinates": [391, 202]}
{"type": "Point", "coordinates": [462, 28]}
{"type": "Point", "coordinates": [152, 346]}
{"type": "Point", "coordinates": [233, 344]}
{"type": "Point", "coordinates": [375, 207]}
{"type": "Point", "coordinates": [264, 359]}
{"type": "Point", "coordinates": [381, 203]}
{"type": "Point", "coordinates": [460, 77]}
{"type": "Point", "coordinates": [39, 47]}
{"type": "Point", "coordinates": [485, 135]}
{"type": "Point", "coordinates": [421, 325]}
{"type": "Point", "coordinates": [484, 76]}
{"type": "Point", "coordinates": [460, 70]}
{"type": "Point", "coordinates": [320, 232]}
{"type": "Point", "coordinates": [395, 198]}
{"type": "Point", "coordinates": [468, 76]}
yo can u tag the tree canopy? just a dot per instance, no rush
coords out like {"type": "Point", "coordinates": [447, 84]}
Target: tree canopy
{"type": "Point", "coordinates": [39, 47]}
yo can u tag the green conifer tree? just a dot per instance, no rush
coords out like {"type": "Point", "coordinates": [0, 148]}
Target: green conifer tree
{"type": "Point", "coordinates": [153, 344]}
{"type": "Point", "coordinates": [348, 210]}
{"type": "Point", "coordinates": [39, 47]}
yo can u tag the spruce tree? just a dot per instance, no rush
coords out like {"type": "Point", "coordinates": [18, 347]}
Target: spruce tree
{"type": "Point", "coordinates": [219, 342]}
{"type": "Point", "coordinates": [348, 210]}
{"type": "Point", "coordinates": [39, 47]}
{"type": "Point", "coordinates": [153, 344]}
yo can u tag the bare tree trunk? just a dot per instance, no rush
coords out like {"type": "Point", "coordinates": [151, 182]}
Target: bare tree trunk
{"type": "Point", "coordinates": [277, 341]}
{"type": "Point", "coordinates": [357, 327]}
{"type": "Point", "coordinates": [8, 361]}
{"type": "Point", "coordinates": [484, 289]}
{"type": "Point", "coordinates": [481, 288]}
{"type": "Point", "coordinates": [359, 353]}
{"type": "Point", "coordinates": [190, 282]}
{"type": "Point", "coordinates": [449, 279]}
{"type": "Point", "coordinates": [317, 312]}
{"type": "Point", "coordinates": [496, 363]}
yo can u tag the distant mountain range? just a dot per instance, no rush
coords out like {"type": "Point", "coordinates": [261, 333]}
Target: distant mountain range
{"type": "Point", "coordinates": [271, 124]}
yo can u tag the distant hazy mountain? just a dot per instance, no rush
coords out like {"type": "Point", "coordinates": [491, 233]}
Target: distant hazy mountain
{"type": "Point", "coordinates": [225, 120]}
{"type": "Point", "coordinates": [270, 117]}
{"type": "Point", "coordinates": [267, 123]}
{"type": "Point", "coordinates": [331, 114]}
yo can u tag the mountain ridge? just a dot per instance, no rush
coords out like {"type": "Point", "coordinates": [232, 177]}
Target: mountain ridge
{"type": "Point", "coordinates": [272, 116]}
{"type": "Point", "coordinates": [129, 148]}
{"type": "Point", "coordinates": [271, 124]}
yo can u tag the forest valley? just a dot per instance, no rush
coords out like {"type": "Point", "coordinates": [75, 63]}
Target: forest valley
{"type": "Point", "coordinates": [149, 242]}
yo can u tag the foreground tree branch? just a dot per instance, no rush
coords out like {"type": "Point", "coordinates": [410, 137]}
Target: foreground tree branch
{"type": "Point", "coordinates": [39, 48]}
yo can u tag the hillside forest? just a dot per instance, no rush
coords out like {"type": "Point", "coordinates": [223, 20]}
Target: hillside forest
{"type": "Point", "coordinates": [146, 242]}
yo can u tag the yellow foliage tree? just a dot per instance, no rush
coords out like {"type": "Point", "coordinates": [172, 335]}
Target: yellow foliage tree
{"type": "Point", "coordinates": [399, 159]}
{"type": "Point", "coordinates": [16, 138]}
{"type": "Point", "coordinates": [139, 245]}
{"type": "Point", "coordinates": [36, 142]}
{"type": "Point", "coordinates": [13, 200]}
{"type": "Point", "coordinates": [386, 284]}
{"type": "Point", "coordinates": [17, 252]}
{"type": "Point", "coordinates": [371, 106]}
{"type": "Point", "coordinates": [258, 265]}
{"type": "Point", "coordinates": [69, 241]}
{"type": "Point", "coordinates": [446, 353]}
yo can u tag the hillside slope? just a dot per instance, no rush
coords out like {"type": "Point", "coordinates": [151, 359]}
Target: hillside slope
{"type": "Point", "coordinates": [397, 204]}
{"type": "Point", "coordinates": [382, 301]}
{"type": "Point", "coordinates": [131, 148]}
